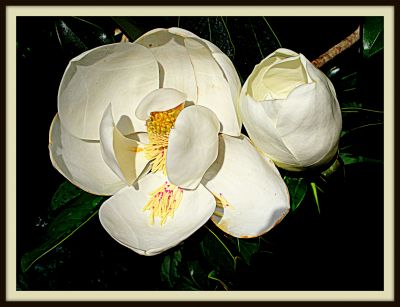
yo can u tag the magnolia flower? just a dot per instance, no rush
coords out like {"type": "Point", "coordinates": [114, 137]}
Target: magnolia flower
{"type": "Point", "coordinates": [290, 111]}
{"type": "Point", "coordinates": [153, 124]}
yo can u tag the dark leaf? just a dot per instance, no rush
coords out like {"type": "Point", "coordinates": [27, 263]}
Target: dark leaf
{"type": "Point", "coordinates": [247, 248]}
{"type": "Point", "coordinates": [348, 158]}
{"type": "Point", "coordinates": [372, 38]}
{"type": "Point", "coordinates": [170, 268]}
{"type": "Point", "coordinates": [195, 278]}
{"type": "Point", "coordinates": [66, 223]}
{"type": "Point", "coordinates": [65, 193]}
{"type": "Point", "coordinates": [77, 35]}
{"type": "Point", "coordinates": [297, 190]}
{"type": "Point", "coordinates": [217, 252]}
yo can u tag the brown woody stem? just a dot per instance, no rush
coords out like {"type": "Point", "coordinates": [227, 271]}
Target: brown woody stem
{"type": "Point", "coordinates": [337, 49]}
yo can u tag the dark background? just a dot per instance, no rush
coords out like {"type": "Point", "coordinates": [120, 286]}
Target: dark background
{"type": "Point", "coordinates": [339, 249]}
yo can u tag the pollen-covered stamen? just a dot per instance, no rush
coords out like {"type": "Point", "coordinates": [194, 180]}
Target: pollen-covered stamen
{"type": "Point", "coordinates": [163, 202]}
{"type": "Point", "coordinates": [158, 127]}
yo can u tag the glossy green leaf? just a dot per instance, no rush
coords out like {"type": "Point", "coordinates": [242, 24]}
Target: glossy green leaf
{"type": "Point", "coordinates": [217, 252]}
{"type": "Point", "coordinates": [372, 38]}
{"type": "Point", "coordinates": [315, 189]}
{"type": "Point", "coordinates": [65, 193]}
{"type": "Point", "coordinates": [348, 159]}
{"type": "Point", "coordinates": [297, 190]}
{"type": "Point", "coordinates": [170, 268]}
{"type": "Point", "coordinates": [66, 223]}
{"type": "Point", "coordinates": [77, 35]}
{"type": "Point", "coordinates": [195, 278]}
{"type": "Point", "coordinates": [247, 248]}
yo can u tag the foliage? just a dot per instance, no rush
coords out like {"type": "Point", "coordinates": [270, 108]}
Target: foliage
{"type": "Point", "coordinates": [211, 260]}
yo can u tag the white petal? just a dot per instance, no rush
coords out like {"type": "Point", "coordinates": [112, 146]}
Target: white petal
{"type": "Point", "coordinates": [257, 195]}
{"type": "Point", "coordinates": [176, 70]}
{"type": "Point", "coordinates": [120, 73]}
{"type": "Point", "coordinates": [259, 119]}
{"type": "Point", "coordinates": [125, 156]}
{"type": "Point", "coordinates": [260, 86]}
{"type": "Point", "coordinates": [192, 146]}
{"type": "Point", "coordinates": [124, 219]}
{"type": "Point", "coordinates": [81, 162]}
{"type": "Point", "coordinates": [312, 131]}
{"type": "Point", "coordinates": [159, 100]}
{"type": "Point", "coordinates": [182, 32]}
{"type": "Point", "coordinates": [214, 91]}
{"type": "Point", "coordinates": [232, 77]}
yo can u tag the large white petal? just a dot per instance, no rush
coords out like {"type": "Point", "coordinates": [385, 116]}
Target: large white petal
{"type": "Point", "coordinates": [124, 219]}
{"type": "Point", "coordinates": [125, 156]}
{"type": "Point", "coordinates": [214, 92]}
{"type": "Point", "coordinates": [81, 162]}
{"type": "Point", "coordinates": [159, 100]}
{"type": "Point", "coordinates": [256, 193]}
{"type": "Point", "coordinates": [192, 146]}
{"type": "Point", "coordinates": [232, 77]}
{"type": "Point", "coordinates": [176, 70]}
{"type": "Point", "coordinates": [120, 73]}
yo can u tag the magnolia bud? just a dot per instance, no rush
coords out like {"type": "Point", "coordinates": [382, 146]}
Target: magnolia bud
{"type": "Point", "coordinates": [290, 111]}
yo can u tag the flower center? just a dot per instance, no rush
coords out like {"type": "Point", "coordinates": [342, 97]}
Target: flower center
{"type": "Point", "coordinates": [158, 127]}
{"type": "Point", "coordinates": [165, 199]}
{"type": "Point", "coordinates": [163, 202]}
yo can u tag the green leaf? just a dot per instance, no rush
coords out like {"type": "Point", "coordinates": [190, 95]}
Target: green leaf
{"type": "Point", "coordinates": [314, 188]}
{"type": "Point", "coordinates": [170, 268]}
{"type": "Point", "coordinates": [297, 190]}
{"type": "Point", "coordinates": [248, 247]}
{"type": "Point", "coordinates": [128, 28]}
{"type": "Point", "coordinates": [67, 222]}
{"type": "Point", "coordinates": [217, 252]}
{"type": "Point", "coordinates": [372, 36]}
{"type": "Point", "coordinates": [348, 159]}
{"type": "Point", "coordinates": [77, 35]}
{"type": "Point", "coordinates": [198, 278]}
{"type": "Point", "coordinates": [65, 193]}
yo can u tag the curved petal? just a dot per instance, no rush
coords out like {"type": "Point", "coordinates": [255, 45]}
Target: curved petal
{"type": "Point", "coordinates": [81, 162]}
{"type": "Point", "coordinates": [159, 100]}
{"type": "Point", "coordinates": [232, 77]}
{"type": "Point", "coordinates": [214, 91]}
{"type": "Point", "coordinates": [176, 70]}
{"type": "Point", "coordinates": [124, 219]}
{"type": "Point", "coordinates": [258, 88]}
{"type": "Point", "coordinates": [317, 123]}
{"type": "Point", "coordinates": [192, 146]}
{"type": "Point", "coordinates": [125, 156]}
{"type": "Point", "coordinates": [120, 73]}
{"type": "Point", "coordinates": [259, 120]}
{"type": "Point", "coordinates": [182, 32]}
{"type": "Point", "coordinates": [253, 195]}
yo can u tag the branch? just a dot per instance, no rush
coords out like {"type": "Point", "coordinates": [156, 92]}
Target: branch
{"type": "Point", "coordinates": [337, 49]}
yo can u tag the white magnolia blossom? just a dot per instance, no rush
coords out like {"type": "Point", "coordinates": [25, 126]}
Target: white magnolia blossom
{"type": "Point", "coordinates": [153, 123]}
{"type": "Point", "coordinates": [290, 111]}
